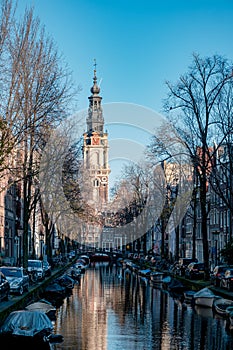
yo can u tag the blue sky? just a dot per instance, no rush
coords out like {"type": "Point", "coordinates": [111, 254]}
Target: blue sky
{"type": "Point", "coordinates": [138, 45]}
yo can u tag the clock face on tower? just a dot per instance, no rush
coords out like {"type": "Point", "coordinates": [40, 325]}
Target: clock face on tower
{"type": "Point", "coordinates": [95, 140]}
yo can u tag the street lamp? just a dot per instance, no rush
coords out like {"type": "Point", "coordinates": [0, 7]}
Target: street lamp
{"type": "Point", "coordinates": [17, 239]}
{"type": "Point", "coordinates": [41, 235]}
{"type": "Point", "coordinates": [215, 249]}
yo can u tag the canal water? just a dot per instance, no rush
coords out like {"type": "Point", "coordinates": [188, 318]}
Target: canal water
{"type": "Point", "coordinates": [113, 309]}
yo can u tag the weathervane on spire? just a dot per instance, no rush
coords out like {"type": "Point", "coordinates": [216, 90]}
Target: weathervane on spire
{"type": "Point", "coordinates": [95, 64]}
{"type": "Point", "coordinates": [95, 88]}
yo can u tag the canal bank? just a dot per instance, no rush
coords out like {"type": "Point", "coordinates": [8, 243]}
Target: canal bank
{"type": "Point", "coordinates": [195, 285]}
{"type": "Point", "coordinates": [17, 302]}
{"type": "Point", "coordinates": [199, 284]}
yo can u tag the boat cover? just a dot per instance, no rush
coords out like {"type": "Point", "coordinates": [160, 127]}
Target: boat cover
{"type": "Point", "coordinates": [26, 323]}
{"type": "Point", "coordinates": [40, 306]}
{"type": "Point", "coordinates": [204, 292]}
{"type": "Point", "coordinates": [55, 288]}
{"type": "Point", "coordinates": [145, 272]}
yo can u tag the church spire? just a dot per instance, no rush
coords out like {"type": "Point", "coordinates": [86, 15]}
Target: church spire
{"type": "Point", "coordinates": [95, 152]}
{"type": "Point", "coordinates": [95, 90]}
{"type": "Point", "coordinates": [95, 120]}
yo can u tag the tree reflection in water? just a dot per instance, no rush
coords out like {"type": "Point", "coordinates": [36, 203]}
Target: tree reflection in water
{"type": "Point", "coordinates": [114, 309]}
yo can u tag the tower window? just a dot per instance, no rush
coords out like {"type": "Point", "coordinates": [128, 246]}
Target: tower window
{"type": "Point", "coordinates": [96, 183]}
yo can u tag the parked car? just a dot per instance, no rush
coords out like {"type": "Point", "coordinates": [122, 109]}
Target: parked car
{"type": "Point", "coordinates": [227, 279]}
{"type": "Point", "coordinates": [17, 277]}
{"type": "Point", "coordinates": [186, 261]}
{"type": "Point", "coordinates": [47, 268]}
{"type": "Point", "coordinates": [217, 274]}
{"type": "Point", "coordinates": [175, 269]}
{"type": "Point", "coordinates": [195, 270]}
{"type": "Point", "coordinates": [137, 256]}
{"type": "Point", "coordinates": [36, 265]}
{"type": "Point", "coordinates": [4, 287]}
{"type": "Point", "coordinates": [71, 255]}
{"type": "Point", "coordinates": [180, 266]}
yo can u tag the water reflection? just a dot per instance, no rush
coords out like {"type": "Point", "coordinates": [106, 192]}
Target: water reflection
{"type": "Point", "coordinates": [114, 309]}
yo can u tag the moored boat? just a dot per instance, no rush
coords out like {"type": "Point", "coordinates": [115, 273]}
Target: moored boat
{"type": "Point", "coordinates": [203, 311]}
{"type": "Point", "coordinates": [176, 287]}
{"type": "Point", "coordinates": [156, 276]}
{"type": "Point", "coordinates": [99, 257]}
{"type": "Point", "coordinates": [85, 258]}
{"type": "Point", "coordinates": [55, 293]}
{"type": "Point", "coordinates": [165, 282]}
{"type": "Point", "coordinates": [66, 281]}
{"type": "Point", "coordinates": [166, 279]}
{"type": "Point", "coordinates": [188, 295]}
{"type": "Point", "coordinates": [144, 273]}
{"type": "Point", "coordinates": [143, 279]}
{"type": "Point", "coordinates": [43, 306]}
{"type": "Point", "coordinates": [81, 265]}
{"type": "Point", "coordinates": [204, 297]}
{"type": "Point", "coordinates": [75, 273]}
{"type": "Point", "coordinates": [28, 330]}
{"type": "Point", "coordinates": [229, 310]}
{"type": "Point", "coordinates": [229, 313]}
{"type": "Point", "coordinates": [221, 306]}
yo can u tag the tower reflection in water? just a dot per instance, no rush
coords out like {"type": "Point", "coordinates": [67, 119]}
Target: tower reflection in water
{"type": "Point", "coordinates": [113, 309]}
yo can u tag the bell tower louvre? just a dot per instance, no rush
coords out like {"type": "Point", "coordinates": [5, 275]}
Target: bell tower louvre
{"type": "Point", "coordinates": [95, 151]}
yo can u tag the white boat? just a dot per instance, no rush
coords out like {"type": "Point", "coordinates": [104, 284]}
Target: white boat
{"type": "Point", "coordinates": [204, 297]}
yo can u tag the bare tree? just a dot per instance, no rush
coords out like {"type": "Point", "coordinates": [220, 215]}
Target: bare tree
{"type": "Point", "coordinates": [192, 106]}
{"type": "Point", "coordinates": [221, 175]}
{"type": "Point", "coordinates": [38, 91]}
{"type": "Point", "coordinates": [7, 138]}
{"type": "Point", "coordinates": [139, 200]}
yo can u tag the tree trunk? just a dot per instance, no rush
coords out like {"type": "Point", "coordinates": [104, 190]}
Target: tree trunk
{"type": "Point", "coordinates": [204, 227]}
{"type": "Point", "coordinates": [177, 249]}
{"type": "Point", "coordinates": [25, 226]}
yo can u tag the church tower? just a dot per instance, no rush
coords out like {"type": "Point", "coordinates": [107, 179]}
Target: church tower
{"type": "Point", "coordinates": [95, 151]}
